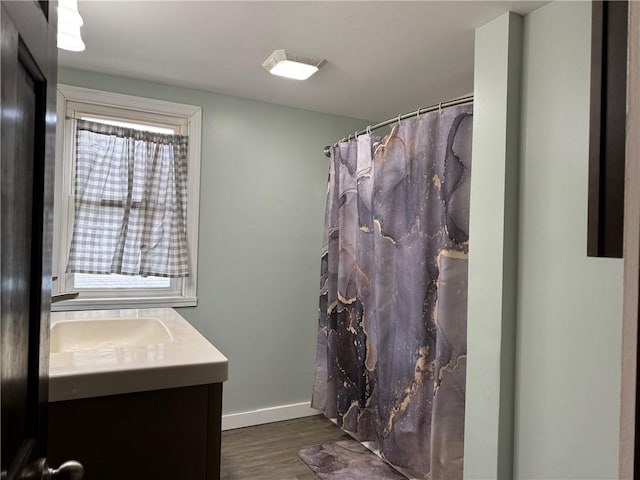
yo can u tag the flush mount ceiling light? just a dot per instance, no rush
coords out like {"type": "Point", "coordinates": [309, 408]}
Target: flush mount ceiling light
{"type": "Point", "coordinates": [291, 65]}
{"type": "Point", "coordinates": [69, 23]}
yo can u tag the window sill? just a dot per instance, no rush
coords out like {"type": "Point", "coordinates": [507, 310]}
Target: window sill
{"type": "Point", "coordinates": [123, 303]}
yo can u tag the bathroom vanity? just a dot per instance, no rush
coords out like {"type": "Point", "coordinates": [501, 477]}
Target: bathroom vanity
{"type": "Point", "coordinates": [135, 394]}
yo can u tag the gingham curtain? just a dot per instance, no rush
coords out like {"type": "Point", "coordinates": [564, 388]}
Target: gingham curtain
{"type": "Point", "coordinates": [130, 202]}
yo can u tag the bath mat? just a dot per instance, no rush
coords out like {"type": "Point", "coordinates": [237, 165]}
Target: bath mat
{"type": "Point", "coordinates": [346, 460]}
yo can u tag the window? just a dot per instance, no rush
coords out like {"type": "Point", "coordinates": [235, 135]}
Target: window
{"type": "Point", "coordinates": [113, 290]}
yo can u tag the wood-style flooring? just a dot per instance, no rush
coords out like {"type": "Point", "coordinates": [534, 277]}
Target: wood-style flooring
{"type": "Point", "coordinates": [270, 452]}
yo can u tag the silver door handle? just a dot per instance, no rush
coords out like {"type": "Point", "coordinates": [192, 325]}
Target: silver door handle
{"type": "Point", "coordinates": [70, 470]}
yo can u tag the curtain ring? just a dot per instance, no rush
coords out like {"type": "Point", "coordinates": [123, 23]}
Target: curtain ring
{"type": "Point", "coordinates": [440, 108]}
{"type": "Point", "coordinates": [418, 113]}
{"type": "Point", "coordinates": [369, 129]}
{"type": "Point", "coordinates": [399, 120]}
{"type": "Point", "coordinates": [355, 134]}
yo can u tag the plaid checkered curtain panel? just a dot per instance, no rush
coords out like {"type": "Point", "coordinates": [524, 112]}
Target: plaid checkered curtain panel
{"type": "Point", "coordinates": [130, 202]}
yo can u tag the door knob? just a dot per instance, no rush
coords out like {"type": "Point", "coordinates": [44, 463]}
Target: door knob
{"type": "Point", "coordinates": [70, 470]}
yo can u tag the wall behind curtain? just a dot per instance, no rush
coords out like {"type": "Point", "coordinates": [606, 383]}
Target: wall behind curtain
{"type": "Point", "coordinates": [570, 306]}
{"type": "Point", "coordinates": [262, 193]}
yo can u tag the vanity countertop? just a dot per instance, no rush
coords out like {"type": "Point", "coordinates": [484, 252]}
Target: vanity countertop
{"type": "Point", "coordinates": [91, 358]}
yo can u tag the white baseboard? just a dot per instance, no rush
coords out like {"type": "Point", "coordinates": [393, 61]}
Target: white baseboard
{"type": "Point", "coordinates": [267, 415]}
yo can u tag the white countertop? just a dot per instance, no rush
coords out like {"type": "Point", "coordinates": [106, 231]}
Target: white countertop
{"type": "Point", "coordinates": [186, 359]}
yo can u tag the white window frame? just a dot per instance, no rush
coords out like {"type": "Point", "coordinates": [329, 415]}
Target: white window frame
{"type": "Point", "coordinates": [75, 102]}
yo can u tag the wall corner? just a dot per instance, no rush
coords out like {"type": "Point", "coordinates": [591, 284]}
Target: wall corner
{"type": "Point", "coordinates": [493, 252]}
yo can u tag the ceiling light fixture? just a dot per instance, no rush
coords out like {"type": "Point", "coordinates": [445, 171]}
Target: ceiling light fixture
{"type": "Point", "coordinates": [290, 65]}
{"type": "Point", "coordinates": [69, 23]}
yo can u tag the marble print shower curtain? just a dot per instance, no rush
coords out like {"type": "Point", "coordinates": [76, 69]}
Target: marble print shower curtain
{"type": "Point", "coordinates": [391, 357]}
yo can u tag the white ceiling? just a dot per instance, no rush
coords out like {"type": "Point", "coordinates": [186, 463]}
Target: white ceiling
{"type": "Point", "coordinates": [383, 58]}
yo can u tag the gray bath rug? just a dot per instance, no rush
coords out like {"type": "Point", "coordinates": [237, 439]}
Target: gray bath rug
{"type": "Point", "coordinates": [346, 460]}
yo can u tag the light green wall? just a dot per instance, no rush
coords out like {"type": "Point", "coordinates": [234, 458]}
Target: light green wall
{"type": "Point", "coordinates": [493, 228]}
{"type": "Point", "coordinates": [262, 193]}
{"type": "Point", "coordinates": [569, 305]}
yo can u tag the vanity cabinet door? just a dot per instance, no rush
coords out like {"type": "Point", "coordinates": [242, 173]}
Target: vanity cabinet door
{"type": "Point", "coordinates": [28, 59]}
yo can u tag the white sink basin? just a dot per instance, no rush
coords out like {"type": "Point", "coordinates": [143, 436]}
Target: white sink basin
{"type": "Point", "coordinates": [112, 352]}
{"type": "Point", "coordinates": [76, 335]}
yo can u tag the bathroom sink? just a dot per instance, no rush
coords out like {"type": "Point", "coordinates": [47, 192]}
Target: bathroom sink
{"type": "Point", "coordinates": [97, 353]}
{"type": "Point", "coordinates": [97, 334]}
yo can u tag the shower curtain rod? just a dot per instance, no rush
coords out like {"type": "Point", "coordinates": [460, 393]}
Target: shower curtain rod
{"type": "Point", "coordinates": [420, 111]}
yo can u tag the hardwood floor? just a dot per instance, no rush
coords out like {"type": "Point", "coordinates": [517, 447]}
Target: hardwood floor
{"type": "Point", "coordinates": [270, 452]}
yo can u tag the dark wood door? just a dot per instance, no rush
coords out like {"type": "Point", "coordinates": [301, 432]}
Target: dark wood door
{"type": "Point", "coordinates": [28, 59]}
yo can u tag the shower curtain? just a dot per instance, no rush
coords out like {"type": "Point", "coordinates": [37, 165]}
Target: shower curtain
{"type": "Point", "coordinates": [391, 356]}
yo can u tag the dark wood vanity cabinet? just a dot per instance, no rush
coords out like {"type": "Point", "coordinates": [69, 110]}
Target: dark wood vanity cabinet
{"type": "Point", "coordinates": [171, 434]}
